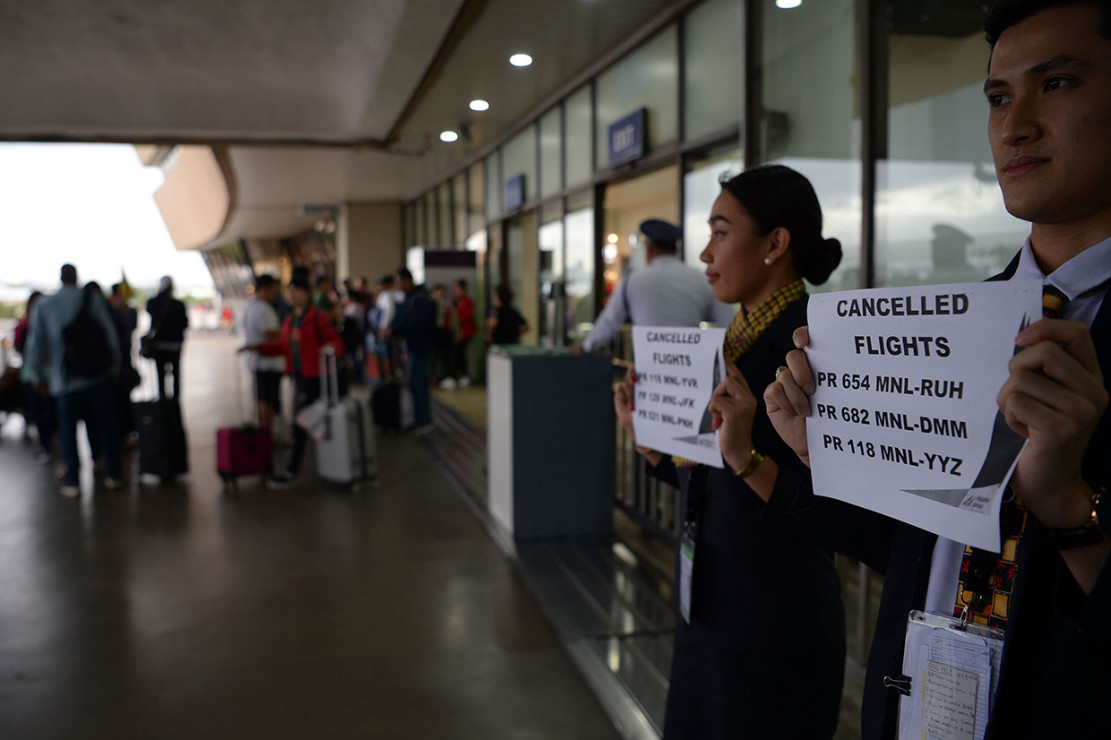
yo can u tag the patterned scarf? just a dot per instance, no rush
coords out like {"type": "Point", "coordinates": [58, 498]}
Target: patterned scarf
{"type": "Point", "coordinates": [746, 328]}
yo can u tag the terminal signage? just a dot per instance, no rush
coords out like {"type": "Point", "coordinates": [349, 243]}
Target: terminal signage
{"type": "Point", "coordinates": [627, 138]}
{"type": "Point", "coordinates": [514, 192]}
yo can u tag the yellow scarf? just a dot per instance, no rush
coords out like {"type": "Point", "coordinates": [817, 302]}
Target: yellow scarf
{"type": "Point", "coordinates": [746, 328]}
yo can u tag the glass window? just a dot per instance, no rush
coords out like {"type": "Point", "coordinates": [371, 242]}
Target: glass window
{"type": "Point", "coordinates": [701, 187]}
{"type": "Point", "coordinates": [476, 206]}
{"type": "Point", "coordinates": [519, 158]}
{"type": "Point", "coordinates": [551, 153]}
{"type": "Point", "coordinates": [647, 78]}
{"type": "Point", "coordinates": [410, 225]}
{"type": "Point", "coordinates": [579, 120]}
{"type": "Point", "coordinates": [713, 39]}
{"type": "Point", "coordinates": [578, 227]}
{"type": "Point", "coordinates": [445, 221]}
{"type": "Point", "coordinates": [939, 211]}
{"type": "Point", "coordinates": [430, 216]}
{"type": "Point", "coordinates": [809, 64]}
{"type": "Point", "coordinates": [551, 273]}
{"type": "Point", "coordinates": [420, 232]}
{"type": "Point", "coordinates": [493, 186]}
{"type": "Point", "coordinates": [459, 208]}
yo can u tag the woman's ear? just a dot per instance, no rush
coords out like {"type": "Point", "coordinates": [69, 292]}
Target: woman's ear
{"type": "Point", "coordinates": [779, 241]}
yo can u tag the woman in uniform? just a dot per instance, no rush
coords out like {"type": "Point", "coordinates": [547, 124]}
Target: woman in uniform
{"type": "Point", "coordinates": [760, 635]}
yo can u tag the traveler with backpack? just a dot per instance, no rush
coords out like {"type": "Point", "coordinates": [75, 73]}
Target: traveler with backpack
{"type": "Point", "coordinates": [74, 330]}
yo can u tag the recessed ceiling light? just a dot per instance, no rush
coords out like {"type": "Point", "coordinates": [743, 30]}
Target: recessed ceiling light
{"type": "Point", "coordinates": [449, 136]}
{"type": "Point", "coordinates": [479, 105]}
{"type": "Point", "coordinates": [787, 4]}
{"type": "Point", "coordinates": [520, 60]}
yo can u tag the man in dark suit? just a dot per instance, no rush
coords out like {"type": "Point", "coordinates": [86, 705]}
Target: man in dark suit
{"type": "Point", "coordinates": [1049, 97]}
{"type": "Point", "coordinates": [168, 324]}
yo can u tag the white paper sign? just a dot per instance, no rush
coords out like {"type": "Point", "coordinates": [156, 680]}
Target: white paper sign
{"type": "Point", "coordinates": [905, 420]}
{"type": "Point", "coordinates": [677, 370]}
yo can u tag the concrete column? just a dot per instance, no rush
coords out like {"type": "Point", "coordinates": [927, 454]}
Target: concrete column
{"type": "Point", "coordinates": [368, 240]}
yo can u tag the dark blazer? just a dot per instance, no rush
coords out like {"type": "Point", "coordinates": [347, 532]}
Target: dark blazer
{"type": "Point", "coordinates": [1055, 677]}
{"type": "Point", "coordinates": [172, 329]}
{"type": "Point", "coordinates": [764, 656]}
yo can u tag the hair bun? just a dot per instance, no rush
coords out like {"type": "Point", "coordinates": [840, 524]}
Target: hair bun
{"type": "Point", "coordinates": [822, 261]}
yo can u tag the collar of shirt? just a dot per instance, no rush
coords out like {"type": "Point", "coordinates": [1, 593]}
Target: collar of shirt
{"type": "Point", "coordinates": [1083, 278]}
{"type": "Point", "coordinates": [1086, 271]}
{"type": "Point", "coordinates": [663, 260]}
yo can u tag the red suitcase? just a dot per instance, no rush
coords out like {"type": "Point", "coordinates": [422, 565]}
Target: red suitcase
{"type": "Point", "coordinates": [241, 451]}
{"type": "Point", "coordinates": [245, 449]}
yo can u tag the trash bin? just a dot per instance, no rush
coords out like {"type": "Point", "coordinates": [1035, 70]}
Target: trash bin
{"type": "Point", "coordinates": [550, 437]}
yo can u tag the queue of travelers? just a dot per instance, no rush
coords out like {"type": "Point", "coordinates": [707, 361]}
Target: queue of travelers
{"type": "Point", "coordinates": [78, 366]}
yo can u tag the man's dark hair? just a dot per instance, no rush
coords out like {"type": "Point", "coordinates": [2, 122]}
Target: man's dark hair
{"type": "Point", "coordinates": [1009, 13]}
{"type": "Point", "coordinates": [117, 288]}
{"type": "Point", "coordinates": [265, 281]}
{"type": "Point", "coordinates": [404, 274]}
{"type": "Point", "coordinates": [69, 274]}
{"type": "Point", "coordinates": [386, 279]}
{"type": "Point", "coordinates": [323, 280]}
{"type": "Point", "coordinates": [462, 284]}
{"type": "Point", "coordinates": [505, 295]}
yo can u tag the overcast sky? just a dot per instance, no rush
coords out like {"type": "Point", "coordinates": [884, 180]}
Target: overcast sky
{"type": "Point", "coordinates": [91, 205]}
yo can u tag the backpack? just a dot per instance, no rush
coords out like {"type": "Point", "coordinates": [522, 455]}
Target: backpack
{"type": "Point", "coordinates": [86, 342]}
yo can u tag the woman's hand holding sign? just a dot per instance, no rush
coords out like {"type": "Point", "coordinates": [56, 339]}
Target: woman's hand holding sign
{"type": "Point", "coordinates": [624, 406]}
{"type": "Point", "coordinates": [788, 397]}
{"type": "Point", "coordinates": [734, 408]}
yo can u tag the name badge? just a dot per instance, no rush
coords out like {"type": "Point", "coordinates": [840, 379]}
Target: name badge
{"type": "Point", "coordinates": [950, 673]}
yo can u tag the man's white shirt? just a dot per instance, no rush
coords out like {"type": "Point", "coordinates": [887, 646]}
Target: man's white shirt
{"type": "Point", "coordinates": [665, 293]}
{"type": "Point", "coordinates": [259, 317]}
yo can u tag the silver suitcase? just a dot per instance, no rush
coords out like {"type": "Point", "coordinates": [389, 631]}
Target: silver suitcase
{"type": "Point", "coordinates": [346, 454]}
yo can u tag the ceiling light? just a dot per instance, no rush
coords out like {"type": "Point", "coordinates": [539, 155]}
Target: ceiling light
{"type": "Point", "coordinates": [449, 136]}
{"type": "Point", "coordinates": [787, 4]}
{"type": "Point", "coordinates": [480, 105]}
{"type": "Point", "coordinates": [520, 60]}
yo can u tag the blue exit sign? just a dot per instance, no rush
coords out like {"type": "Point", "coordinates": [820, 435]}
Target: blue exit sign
{"type": "Point", "coordinates": [514, 192]}
{"type": "Point", "coordinates": [627, 138]}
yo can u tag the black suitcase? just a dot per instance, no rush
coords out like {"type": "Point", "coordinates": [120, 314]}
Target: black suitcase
{"type": "Point", "coordinates": [385, 404]}
{"type": "Point", "coordinates": [163, 448]}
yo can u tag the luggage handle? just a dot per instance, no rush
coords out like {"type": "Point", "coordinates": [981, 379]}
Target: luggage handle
{"type": "Point", "coordinates": [329, 376]}
{"type": "Point", "coordinates": [239, 363]}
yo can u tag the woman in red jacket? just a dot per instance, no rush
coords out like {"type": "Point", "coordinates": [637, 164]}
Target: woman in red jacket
{"type": "Point", "coordinates": [466, 328]}
{"type": "Point", "coordinates": [306, 333]}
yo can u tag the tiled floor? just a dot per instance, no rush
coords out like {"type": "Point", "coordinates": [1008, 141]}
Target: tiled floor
{"type": "Point", "coordinates": [310, 613]}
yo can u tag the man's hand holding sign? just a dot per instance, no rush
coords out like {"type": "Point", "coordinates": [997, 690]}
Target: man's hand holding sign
{"type": "Point", "coordinates": [1052, 396]}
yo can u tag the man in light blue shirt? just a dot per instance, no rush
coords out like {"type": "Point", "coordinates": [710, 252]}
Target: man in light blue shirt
{"type": "Point", "coordinates": [665, 293]}
{"type": "Point", "coordinates": [79, 397]}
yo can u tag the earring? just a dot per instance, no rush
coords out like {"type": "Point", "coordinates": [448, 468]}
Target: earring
{"type": "Point", "coordinates": [768, 261]}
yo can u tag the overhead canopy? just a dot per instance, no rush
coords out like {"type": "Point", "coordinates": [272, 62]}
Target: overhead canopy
{"type": "Point", "coordinates": [304, 101]}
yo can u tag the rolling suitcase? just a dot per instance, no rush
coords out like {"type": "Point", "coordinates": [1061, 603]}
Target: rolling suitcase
{"type": "Point", "coordinates": [163, 447]}
{"type": "Point", "coordinates": [386, 399]}
{"type": "Point", "coordinates": [242, 450]}
{"type": "Point", "coordinates": [393, 406]}
{"type": "Point", "coordinates": [346, 454]}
